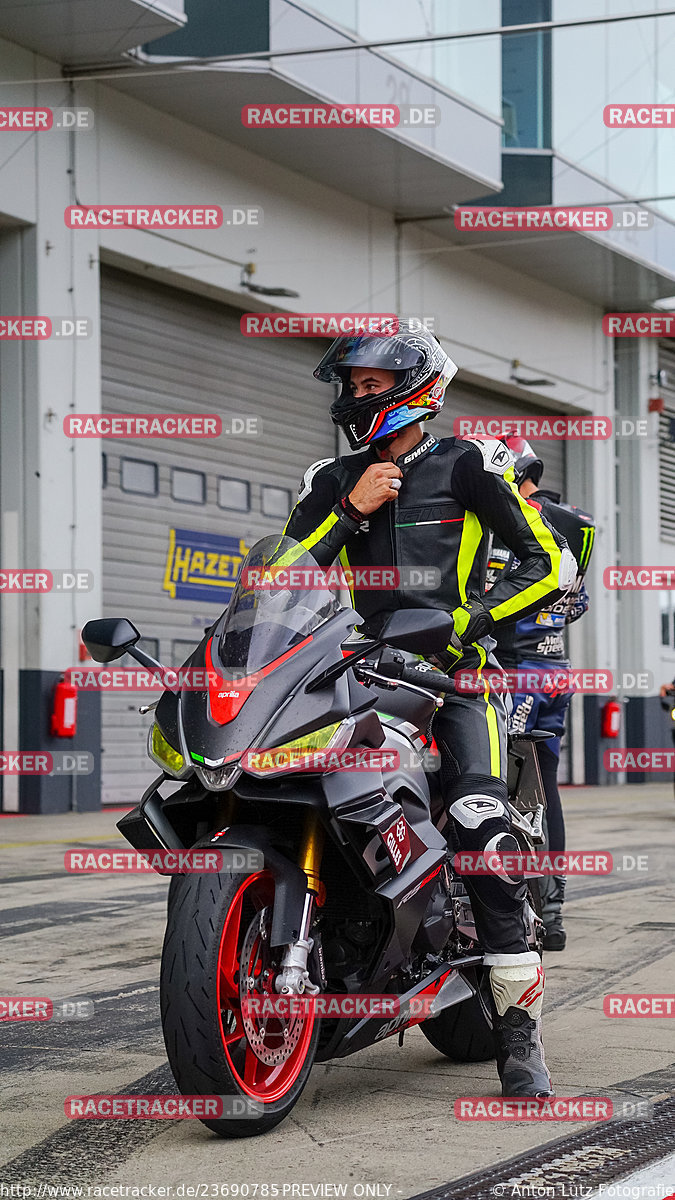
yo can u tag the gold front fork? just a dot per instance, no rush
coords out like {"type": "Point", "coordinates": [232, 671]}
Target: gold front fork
{"type": "Point", "coordinates": [311, 850]}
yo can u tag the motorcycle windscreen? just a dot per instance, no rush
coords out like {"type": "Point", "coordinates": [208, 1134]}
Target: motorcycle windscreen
{"type": "Point", "coordinates": [260, 649]}
{"type": "Point", "coordinates": [277, 603]}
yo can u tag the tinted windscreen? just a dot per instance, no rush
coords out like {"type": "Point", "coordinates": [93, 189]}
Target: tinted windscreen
{"type": "Point", "coordinates": [277, 603]}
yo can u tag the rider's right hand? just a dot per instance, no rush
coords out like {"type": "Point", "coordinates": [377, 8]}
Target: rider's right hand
{"type": "Point", "coordinates": [374, 487]}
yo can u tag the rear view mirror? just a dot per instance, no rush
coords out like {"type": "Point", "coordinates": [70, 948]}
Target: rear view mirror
{"type": "Point", "coordinates": [419, 630]}
{"type": "Point", "coordinates": [109, 638]}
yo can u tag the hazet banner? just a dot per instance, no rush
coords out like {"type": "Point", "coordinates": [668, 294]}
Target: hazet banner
{"type": "Point", "coordinates": [202, 566]}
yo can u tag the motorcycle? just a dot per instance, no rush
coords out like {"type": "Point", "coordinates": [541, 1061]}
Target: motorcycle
{"type": "Point", "coordinates": [354, 894]}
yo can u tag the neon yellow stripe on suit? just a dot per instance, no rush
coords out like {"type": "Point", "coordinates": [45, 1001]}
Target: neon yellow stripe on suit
{"type": "Point", "coordinates": [536, 591]}
{"type": "Point", "coordinates": [472, 533]}
{"type": "Point", "coordinates": [308, 542]}
{"type": "Point", "coordinates": [493, 736]}
{"type": "Point", "coordinates": [348, 570]}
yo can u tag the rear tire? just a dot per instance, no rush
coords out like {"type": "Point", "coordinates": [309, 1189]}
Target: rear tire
{"type": "Point", "coordinates": [211, 919]}
{"type": "Point", "coordinates": [463, 1033]}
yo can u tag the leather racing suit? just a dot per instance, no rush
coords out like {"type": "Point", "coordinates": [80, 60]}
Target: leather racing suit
{"type": "Point", "coordinates": [534, 643]}
{"type": "Point", "coordinates": [453, 491]}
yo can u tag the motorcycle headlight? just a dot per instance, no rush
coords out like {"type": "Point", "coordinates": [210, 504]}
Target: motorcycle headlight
{"type": "Point", "coordinates": [278, 760]}
{"type": "Point", "coordinates": [163, 753]}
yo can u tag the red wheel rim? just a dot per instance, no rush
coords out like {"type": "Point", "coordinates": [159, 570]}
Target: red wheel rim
{"type": "Point", "coordinates": [262, 1081]}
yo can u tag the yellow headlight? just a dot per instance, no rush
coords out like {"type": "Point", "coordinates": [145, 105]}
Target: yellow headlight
{"type": "Point", "coordinates": [318, 739]}
{"type": "Point", "coordinates": [163, 752]}
{"type": "Point", "coordinates": [275, 760]}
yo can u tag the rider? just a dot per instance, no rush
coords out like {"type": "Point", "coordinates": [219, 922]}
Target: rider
{"type": "Point", "coordinates": [409, 499]}
{"type": "Point", "coordinates": [535, 641]}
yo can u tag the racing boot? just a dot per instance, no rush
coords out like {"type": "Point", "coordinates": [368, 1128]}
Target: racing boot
{"type": "Point", "coordinates": [552, 892]}
{"type": "Point", "coordinates": [517, 992]}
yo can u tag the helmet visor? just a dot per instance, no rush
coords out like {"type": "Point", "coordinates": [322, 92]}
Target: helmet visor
{"type": "Point", "coordinates": [385, 353]}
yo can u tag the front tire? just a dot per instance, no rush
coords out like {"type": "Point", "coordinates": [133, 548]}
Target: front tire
{"type": "Point", "coordinates": [212, 920]}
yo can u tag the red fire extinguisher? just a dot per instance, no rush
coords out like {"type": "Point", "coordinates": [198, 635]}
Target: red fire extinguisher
{"type": "Point", "coordinates": [611, 719]}
{"type": "Point", "coordinates": [64, 710]}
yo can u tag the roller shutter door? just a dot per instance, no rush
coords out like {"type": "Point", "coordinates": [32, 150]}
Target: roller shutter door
{"type": "Point", "coordinates": [167, 351]}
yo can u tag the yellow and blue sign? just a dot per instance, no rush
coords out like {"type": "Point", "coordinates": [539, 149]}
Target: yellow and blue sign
{"type": "Point", "coordinates": [202, 566]}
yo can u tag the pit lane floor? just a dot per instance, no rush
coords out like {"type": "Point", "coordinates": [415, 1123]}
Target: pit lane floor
{"type": "Point", "coordinates": [378, 1124]}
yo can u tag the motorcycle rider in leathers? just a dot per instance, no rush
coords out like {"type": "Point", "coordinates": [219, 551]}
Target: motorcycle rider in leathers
{"type": "Point", "coordinates": [408, 499]}
{"type": "Point", "coordinates": [534, 643]}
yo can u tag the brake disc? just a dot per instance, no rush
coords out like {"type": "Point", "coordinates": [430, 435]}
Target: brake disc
{"type": "Point", "coordinates": [283, 1032]}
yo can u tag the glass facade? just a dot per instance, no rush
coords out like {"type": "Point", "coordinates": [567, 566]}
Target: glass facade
{"type": "Point", "coordinates": [629, 62]}
{"type": "Point", "coordinates": [471, 69]}
{"type": "Point", "coordinates": [526, 76]}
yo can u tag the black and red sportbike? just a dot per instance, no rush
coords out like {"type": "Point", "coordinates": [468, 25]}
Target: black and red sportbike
{"type": "Point", "coordinates": [355, 894]}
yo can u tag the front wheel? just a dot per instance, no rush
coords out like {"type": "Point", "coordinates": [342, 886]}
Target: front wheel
{"type": "Point", "coordinates": [216, 950]}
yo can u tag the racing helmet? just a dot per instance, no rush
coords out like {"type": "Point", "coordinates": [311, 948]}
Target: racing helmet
{"type": "Point", "coordinates": [527, 465]}
{"type": "Point", "coordinates": [422, 371]}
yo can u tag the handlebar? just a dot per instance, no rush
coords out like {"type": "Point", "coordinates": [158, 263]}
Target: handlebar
{"type": "Point", "coordinates": [434, 681]}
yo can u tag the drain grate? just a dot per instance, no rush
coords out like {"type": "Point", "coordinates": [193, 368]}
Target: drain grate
{"type": "Point", "coordinates": [598, 1155]}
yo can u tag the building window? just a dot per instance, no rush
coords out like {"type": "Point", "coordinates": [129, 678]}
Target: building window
{"type": "Point", "coordinates": [188, 486]}
{"type": "Point", "coordinates": [276, 502]}
{"type": "Point", "coordinates": [138, 476]}
{"type": "Point", "coordinates": [234, 493]}
{"type": "Point", "coordinates": [526, 76]}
